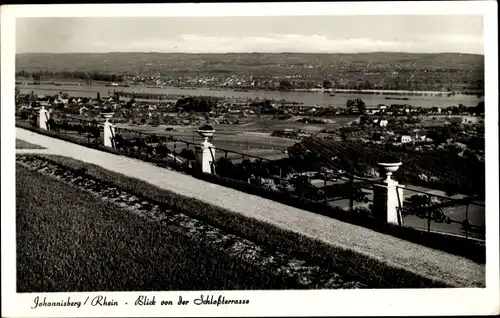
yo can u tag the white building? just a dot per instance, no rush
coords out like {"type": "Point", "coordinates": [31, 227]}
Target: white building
{"type": "Point", "coordinates": [405, 139]}
{"type": "Point", "coordinates": [383, 122]}
{"type": "Point", "coordinates": [470, 119]}
{"type": "Point", "coordinates": [420, 137]}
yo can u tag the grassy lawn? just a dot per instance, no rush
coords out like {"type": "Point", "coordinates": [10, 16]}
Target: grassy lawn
{"type": "Point", "coordinates": [68, 240]}
{"type": "Point", "coordinates": [345, 262]}
{"type": "Point", "coordinates": [21, 144]}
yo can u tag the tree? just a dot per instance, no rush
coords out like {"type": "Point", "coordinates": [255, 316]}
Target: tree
{"type": "Point", "coordinates": [196, 104]}
{"type": "Point", "coordinates": [98, 96]}
{"type": "Point", "coordinates": [367, 85]}
{"type": "Point", "coordinates": [286, 84]}
{"type": "Point", "coordinates": [187, 154]}
{"type": "Point", "coordinates": [301, 185]}
{"type": "Point", "coordinates": [327, 84]}
{"type": "Point", "coordinates": [32, 97]}
{"type": "Point", "coordinates": [480, 108]}
{"type": "Point", "coordinates": [358, 103]}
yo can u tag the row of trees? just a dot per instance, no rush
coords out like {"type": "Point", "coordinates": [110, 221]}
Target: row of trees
{"type": "Point", "coordinates": [388, 84]}
{"type": "Point", "coordinates": [81, 75]}
{"type": "Point", "coordinates": [196, 104]}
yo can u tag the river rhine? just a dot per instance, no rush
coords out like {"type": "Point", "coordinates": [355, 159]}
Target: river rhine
{"type": "Point", "coordinates": [307, 98]}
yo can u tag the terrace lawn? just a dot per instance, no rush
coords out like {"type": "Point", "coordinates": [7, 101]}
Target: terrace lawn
{"type": "Point", "coordinates": [21, 144]}
{"type": "Point", "coordinates": [72, 241]}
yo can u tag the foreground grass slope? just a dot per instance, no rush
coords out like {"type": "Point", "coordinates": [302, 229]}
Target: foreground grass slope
{"type": "Point", "coordinates": [71, 241]}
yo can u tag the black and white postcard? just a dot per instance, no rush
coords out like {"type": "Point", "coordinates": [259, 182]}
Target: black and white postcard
{"type": "Point", "coordinates": [250, 159]}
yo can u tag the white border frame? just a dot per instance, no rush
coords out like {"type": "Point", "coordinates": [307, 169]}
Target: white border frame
{"type": "Point", "coordinates": [272, 303]}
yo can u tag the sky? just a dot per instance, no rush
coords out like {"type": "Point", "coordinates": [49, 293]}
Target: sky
{"type": "Point", "coordinates": [313, 34]}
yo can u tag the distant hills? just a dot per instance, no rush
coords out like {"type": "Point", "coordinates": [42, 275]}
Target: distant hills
{"type": "Point", "coordinates": [383, 69]}
{"type": "Point", "coordinates": [244, 62]}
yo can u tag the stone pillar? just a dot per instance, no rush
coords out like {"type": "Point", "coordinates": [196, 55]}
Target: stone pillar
{"type": "Point", "coordinates": [109, 133]}
{"type": "Point", "coordinates": [43, 118]}
{"type": "Point", "coordinates": [204, 156]}
{"type": "Point", "coordinates": [387, 198]}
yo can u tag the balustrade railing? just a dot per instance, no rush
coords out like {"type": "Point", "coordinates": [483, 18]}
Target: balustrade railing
{"type": "Point", "coordinates": [462, 216]}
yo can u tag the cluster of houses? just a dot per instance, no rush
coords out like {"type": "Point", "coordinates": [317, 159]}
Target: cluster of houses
{"type": "Point", "coordinates": [405, 110]}
{"type": "Point", "coordinates": [90, 107]}
{"type": "Point", "coordinates": [158, 80]}
{"type": "Point", "coordinates": [398, 110]}
{"type": "Point", "coordinates": [64, 101]}
{"type": "Point", "coordinates": [402, 137]}
{"type": "Point", "coordinates": [139, 111]}
{"type": "Point", "coordinates": [227, 109]}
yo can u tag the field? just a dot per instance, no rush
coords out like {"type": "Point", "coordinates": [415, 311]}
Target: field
{"type": "Point", "coordinates": [237, 138]}
{"type": "Point", "coordinates": [267, 124]}
{"type": "Point", "coordinates": [77, 242]}
{"type": "Point", "coordinates": [252, 136]}
{"type": "Point", "coordinates": [21, 144]}
{"type": "Point", "coordinates": [262, 125]}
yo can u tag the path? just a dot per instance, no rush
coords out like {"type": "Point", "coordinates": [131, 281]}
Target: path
{"type": "Point", "coordinates": [400, 253]}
